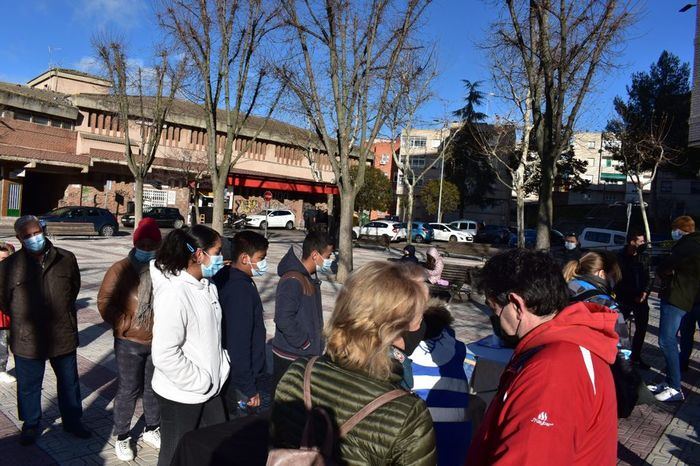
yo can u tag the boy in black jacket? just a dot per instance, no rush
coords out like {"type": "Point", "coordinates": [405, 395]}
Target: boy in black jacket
{"type": "Point", "coordinates": [243, 327]}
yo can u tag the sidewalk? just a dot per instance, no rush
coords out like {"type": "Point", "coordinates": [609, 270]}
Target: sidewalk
{"type": "Point", "coordinates": [652, 435]}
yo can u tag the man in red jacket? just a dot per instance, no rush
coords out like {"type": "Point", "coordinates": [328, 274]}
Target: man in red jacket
{"type": "Point", "coordinates": [556, 399]}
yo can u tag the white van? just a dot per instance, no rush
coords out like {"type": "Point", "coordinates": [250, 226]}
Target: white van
{"type": "Point", "coordinates": [601, 238]}
{"type": "Point", "coordinates": [468, 226]}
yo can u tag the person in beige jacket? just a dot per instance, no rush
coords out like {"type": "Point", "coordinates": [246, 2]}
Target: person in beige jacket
{"type": "Point", "coordinates": [125, 303]}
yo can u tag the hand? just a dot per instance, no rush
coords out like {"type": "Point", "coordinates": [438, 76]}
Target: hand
{"type": "Point", "coordinates": [643, 297]}
{"type": "Point", "coordinates": [254, 401]}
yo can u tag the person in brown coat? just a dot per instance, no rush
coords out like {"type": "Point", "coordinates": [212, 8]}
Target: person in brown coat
{"type": "Point", "coordinates": [38, 288]}
{"type": "Point", "coordinates": [125, 302]}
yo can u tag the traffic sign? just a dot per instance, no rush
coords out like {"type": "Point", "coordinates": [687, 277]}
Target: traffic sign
{"type": "Point", "coordinates": [267, 196]}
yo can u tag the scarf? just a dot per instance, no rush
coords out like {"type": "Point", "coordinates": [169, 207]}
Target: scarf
{"type": "Point", "coordinates": [144, 313]}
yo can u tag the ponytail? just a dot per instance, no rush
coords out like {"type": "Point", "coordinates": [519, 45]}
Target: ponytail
{"type": "Point", "coordinates": [571, 269]}
{"type": "Point", "coordinates": [179, 245]}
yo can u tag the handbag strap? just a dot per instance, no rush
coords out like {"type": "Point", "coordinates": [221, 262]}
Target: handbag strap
{"type": "Point", "coordinates": [368, 409]}
{"type": "Point", "coordinates": [307, 383]}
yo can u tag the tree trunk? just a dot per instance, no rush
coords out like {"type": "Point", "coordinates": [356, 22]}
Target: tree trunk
{"type": "Point", "coordinates": [645, 220]}
{"type": "Point", "coordinates": [409, 219]}
{"type": "Point", "coordinates": [196, 207]}
{"type": "Point", "coordinates": [217, 216]}
{"type": "Point", "coordinates": [138, 199]}
{"type": "Point", "coordinates": [520, 215]}
{"type": "Point", "coordinates": [347, 202]}
{"type": "Point", "coordinates": [329, 203]}
{"type": "Point", "coordinates": [546, 206]}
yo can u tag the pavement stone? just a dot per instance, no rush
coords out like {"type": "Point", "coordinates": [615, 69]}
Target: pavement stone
{"type": "Point", "coordinates": [658, 434]}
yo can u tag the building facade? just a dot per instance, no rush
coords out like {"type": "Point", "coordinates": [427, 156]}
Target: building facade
{"type": "Point", "coordinates": [61, 143]}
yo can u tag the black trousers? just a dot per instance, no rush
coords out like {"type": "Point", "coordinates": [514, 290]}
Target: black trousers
{"type": "Point", "coordinates": [640, 311]}
{"type": "Point", "coordinates": [134, 374]}
{"type": "Point", "coordinates": [279, 368]}
{"type": "Point", "coordinates": [176, 419]}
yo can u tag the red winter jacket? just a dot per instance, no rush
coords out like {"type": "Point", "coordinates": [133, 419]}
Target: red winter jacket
{"type": "Point", "coordinates": [556, 399]}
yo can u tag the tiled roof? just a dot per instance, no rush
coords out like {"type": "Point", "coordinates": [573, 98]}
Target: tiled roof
{"type": "Point", "coordinates": [39, 156]}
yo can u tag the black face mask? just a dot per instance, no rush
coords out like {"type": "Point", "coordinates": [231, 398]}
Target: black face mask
{"type": "Point", "coordinates": [411, 339]}
{"type": "Point", "coordinates": [509, 341]}
{"type": "Point", "coordinates": [641, 248]}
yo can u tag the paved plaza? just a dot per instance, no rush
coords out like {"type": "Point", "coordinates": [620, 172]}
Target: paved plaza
{"type": "Point", "coordinates": [653, 435]}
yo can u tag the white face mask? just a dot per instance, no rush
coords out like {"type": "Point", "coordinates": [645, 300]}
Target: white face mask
{"type": "Point", "coordinates": [676, 234]}
{"type": "Point", "coordinates": [569, 245]}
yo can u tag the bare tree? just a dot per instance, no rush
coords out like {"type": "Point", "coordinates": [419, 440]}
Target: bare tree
{"type": "Point", "coordinates": [194, 171]}
{"type": "Point", "coordinates": [563, 45]}
{"type": "Point", "coordinates": [345, 60]}
{"type": "Point", "coordinates": [223, 39]}
{"type": "Point", "coordinates": [641, 153]}
{"type": "Point", "coordinates": [147, 95]}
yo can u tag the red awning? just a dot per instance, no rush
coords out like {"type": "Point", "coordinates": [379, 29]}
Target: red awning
{"type": "Point", "coordinates": [297, 186]}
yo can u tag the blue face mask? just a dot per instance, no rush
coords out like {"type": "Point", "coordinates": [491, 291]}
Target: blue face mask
{"type": "Point", "coordinates": [36, 243]}
{"type": "Point", "coordinates": [144, 256]}
{"type": "Point", "coordinates": [216, 263]}
{"type": "Point", "coordinates": [260, 268]}
{"type": "Point", "coordinates": [326, 267]}
{"type": "Point", "coordinates": [676, 234]}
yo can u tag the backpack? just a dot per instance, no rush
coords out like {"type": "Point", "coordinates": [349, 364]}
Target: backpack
{"type": "Point", "coordinates": [309, 455]}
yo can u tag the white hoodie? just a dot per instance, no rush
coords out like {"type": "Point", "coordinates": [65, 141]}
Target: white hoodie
{"type": "Point", "coordinates": [190, 364]}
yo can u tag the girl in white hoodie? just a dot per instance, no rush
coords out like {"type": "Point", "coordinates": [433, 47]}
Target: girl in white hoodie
{"type": "Point", "coordinates": [190, 364]}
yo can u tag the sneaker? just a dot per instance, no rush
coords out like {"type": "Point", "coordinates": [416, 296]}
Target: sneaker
{"type": "Point", "coordinates": [658, 388]}
{"type": "Point", "coordinates": [6, 378]}
{"type": "Point", "coordinates": [670, 394]}
{"type": "Point", "coordinates": [122, 448]}
{"type": "Point", "coordinates": [152, 437]}
{"type": "Point", "coordinates": [28, 435]}
{"type": "Point", "coordinates": [78, 430]}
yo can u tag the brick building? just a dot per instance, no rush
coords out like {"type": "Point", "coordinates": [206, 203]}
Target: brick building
{"type": "Point", "coordinates": [61, 143]}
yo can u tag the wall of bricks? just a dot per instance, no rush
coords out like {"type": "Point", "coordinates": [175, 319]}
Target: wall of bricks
{"type": "Point", "coordinates": [26, 134]}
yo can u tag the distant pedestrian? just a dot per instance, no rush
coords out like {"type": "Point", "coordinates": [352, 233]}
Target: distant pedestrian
{"type": "Point", "coordinates": [440, 380]}
{"type": "Point", "coordinates": [556, 399]}
{"type": "Point", "coordinates": [680, 304]}
{"type": "Point", "coordinates": [38, 287]}
{"type": "Point", "coordinates": [5, 250]}
{"type": "Point", "coordinates": [243, 322]}
{"type": "Point", "coordinates": [298, 307]}
{"type": "Point", "coordinates": [632, 291]}
{"type": "Point", "coordinates": [434, 265]}
{"type": "Point", "coordinates": [571, 252]}
{"type": "Point", "coordinates": [190, 364]}
{"type": "Point", "coordinates": [125, 301]}
{"type": "Point", "coordinates": [409, 254]}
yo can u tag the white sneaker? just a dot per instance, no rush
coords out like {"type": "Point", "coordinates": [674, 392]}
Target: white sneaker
{"type": "Point", "coordinates": [670, 394]}
{"type": "Point", "coordinates": [152, 437]}
{"type": "Point", "coordinates": [658, 388]}
{"type": "Point", "coordinates": [7, 378]}
{"type": "Point", "coordinates": [122, 448]}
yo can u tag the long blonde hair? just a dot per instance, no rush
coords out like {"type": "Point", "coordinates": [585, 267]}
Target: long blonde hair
{"type": "Point", "coordinates": [378, 302]}
{"type": "Point", "coordinates": [592, 263]}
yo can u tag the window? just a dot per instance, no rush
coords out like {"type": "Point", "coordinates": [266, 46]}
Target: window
{"type": "Point", "coordinates": [591, 144]}
{"type": "Point", "coordinates": [23, 116]}
{"type": "Point", "coordinates": [40, 120]}
{"type": "Point", "coordinates": [598, 237]}
{"type": "Point", "coordinates": [607, 161]}
{"type": "Point", "coordinates": [666, 187]}
{"type": "Point", "coordinates": [417, 142]}
{"type": "Point", "coordinates": [417, 162]}
{"type": "Point", "coordinates": [384, 159]}
{"type": "Point", "coordinates": [619, 239]}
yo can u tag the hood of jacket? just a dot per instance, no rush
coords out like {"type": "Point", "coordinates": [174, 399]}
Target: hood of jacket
{"type": "Point", "coordinates": [291, 262]}
{"type": "Point", "coordinates": [585, 324]}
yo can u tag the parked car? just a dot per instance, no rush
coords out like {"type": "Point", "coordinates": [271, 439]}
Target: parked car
{"type": "Point", "coordinates": [103, 220]}
{"type": "Point", "coordinates": [165, 217]}
{"type": "Point", "coordinates": [376, 228]}
{"type": "Point", "coordinates": [422, 232]}
{"type": "Point", "coordinates": [493, 234]}
{"type": "Point", "coordinates": [443, 232]}
{"type": "Point", "coordinates": [272, 218]}
{"type": "Point", "coordinates": [470, 226]}
{"type": "Point", "coordinates": [602, 238]}
{"type": "Point", "coordinates": [556, 238]}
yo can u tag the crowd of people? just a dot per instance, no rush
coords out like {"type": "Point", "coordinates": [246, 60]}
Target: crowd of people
{"type": "Point", "coordinates": [386, 371]}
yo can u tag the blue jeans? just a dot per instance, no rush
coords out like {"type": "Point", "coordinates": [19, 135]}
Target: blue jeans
{"type": "Point", "coordinates": [688, 323]}
{"type": "Point", "coordinates": [30, 376]}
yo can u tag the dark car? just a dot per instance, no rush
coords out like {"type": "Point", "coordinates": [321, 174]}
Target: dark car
{"type": "Point", "coordinates": [167, 217]}
{"type": "Point", "coordinates": [556, 239]}
{"type": "Point", "coordinates": [493, 234]}
{"type": "Point", "coordinates": [103, 220]}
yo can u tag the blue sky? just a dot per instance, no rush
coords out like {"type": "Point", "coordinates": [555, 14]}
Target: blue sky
{"type": "Point", "coordinates": [29, 28]}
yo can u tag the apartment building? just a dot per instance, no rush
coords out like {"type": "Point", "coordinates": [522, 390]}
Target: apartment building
{"type": "Point", "coordinates": [61, 143]}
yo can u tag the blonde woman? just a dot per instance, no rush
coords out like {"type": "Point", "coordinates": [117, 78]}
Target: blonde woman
{"type": "Point", "coordinates": [379, 303]}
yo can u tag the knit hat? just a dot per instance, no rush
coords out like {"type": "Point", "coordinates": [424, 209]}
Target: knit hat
{"type": "Point", "coordinates": [684, 223]}
{"type": "Point", "coordinates": [147, 229]}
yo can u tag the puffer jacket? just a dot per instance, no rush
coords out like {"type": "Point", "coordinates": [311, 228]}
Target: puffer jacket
{"type": "Point", "coordinates": [118, 301]}
{"type": "Point", "coordinates": [298, 310]}
{"type": "Point", "coordinates": [41, 302]}
{"type": "Point", "coordinates": [398, 433]}
{"type": "Point", "coordinates": [679, 273]}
